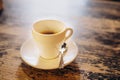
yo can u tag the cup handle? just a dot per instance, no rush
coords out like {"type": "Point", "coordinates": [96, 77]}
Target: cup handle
{"type": "Point", "coordinates": [68, 33]}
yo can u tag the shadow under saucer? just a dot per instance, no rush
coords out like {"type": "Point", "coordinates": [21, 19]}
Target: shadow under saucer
{"type": "Point", "coordinates": [70, 72]}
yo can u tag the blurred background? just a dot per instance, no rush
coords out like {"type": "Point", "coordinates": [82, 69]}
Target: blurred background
{"type": "Point", "coordinates": [28, 11]}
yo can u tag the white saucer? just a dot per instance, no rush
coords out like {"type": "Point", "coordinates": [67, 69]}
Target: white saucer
{"type": "Point", "coordinates": [30, 54]}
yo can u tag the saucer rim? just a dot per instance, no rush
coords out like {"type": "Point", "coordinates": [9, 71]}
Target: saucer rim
{"type": "Point", "coordinates": [22, 57]}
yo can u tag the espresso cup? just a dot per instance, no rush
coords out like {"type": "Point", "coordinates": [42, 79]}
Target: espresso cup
{"type": "Point", "coordinates": [49, 35]}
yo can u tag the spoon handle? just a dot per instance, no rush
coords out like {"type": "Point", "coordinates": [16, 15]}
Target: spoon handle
{"type": "Point", "coordinates": [61, 65]}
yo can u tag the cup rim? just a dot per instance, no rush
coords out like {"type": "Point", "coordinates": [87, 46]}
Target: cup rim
{"type": "Point", "coordinates": [50, 34]}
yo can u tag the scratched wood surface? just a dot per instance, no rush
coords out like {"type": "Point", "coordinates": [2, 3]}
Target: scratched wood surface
{"type": "Point", "coordinates": [96, 27]}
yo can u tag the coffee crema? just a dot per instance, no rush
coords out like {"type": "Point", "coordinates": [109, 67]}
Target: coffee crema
{"type": "Point", "coordinates": [48, 32]}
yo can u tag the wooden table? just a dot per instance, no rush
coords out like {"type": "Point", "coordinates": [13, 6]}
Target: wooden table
{"type": "Point", "coordinates": [96, 27]}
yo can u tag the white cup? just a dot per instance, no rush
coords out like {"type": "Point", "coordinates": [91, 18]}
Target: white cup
{"type": "Point", "coordinates": [49, 35]}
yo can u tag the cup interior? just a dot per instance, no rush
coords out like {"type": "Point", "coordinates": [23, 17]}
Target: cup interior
{"type": "Point", "coordinates": [49, 27]}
